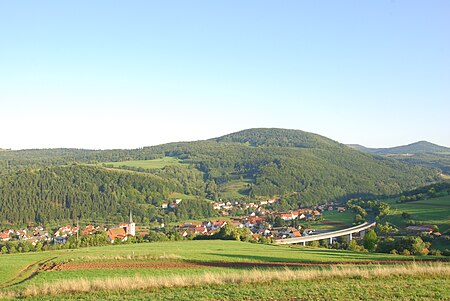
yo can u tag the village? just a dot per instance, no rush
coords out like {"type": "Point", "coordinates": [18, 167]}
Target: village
{"type": "Point", "coordinates": [261, 222]}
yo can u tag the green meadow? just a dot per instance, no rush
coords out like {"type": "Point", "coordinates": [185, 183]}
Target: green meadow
{"type": "Point", "coordinates": [218, 262]}
{"type": "Point", "coordinates": [434, 211]}
{"type": "Point", "coordinates": [333, 220]}
{"type": "Point", "coordinates": [146, 164]}
{"type": "Point", "coordinates": [234, 189]}
{"type": "Point", "coordinates": [351, 288]}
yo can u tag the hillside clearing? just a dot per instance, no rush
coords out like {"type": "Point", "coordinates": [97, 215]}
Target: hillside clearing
{"type": "Point", "coordinates": [146, 164]}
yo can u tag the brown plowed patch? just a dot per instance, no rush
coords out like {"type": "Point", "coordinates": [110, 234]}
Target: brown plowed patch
{"type": "Point", "coordinates": [70, 266]}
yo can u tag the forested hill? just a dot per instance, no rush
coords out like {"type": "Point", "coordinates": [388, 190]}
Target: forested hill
{"type": "Point", "coordinates": [278, 137]}
{"type": "Point", "coordinates": [301, 167]}
{"type": "Point", "coordinates": [420, 147]}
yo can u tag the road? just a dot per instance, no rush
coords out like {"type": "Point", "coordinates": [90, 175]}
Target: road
{"type": "Point", "coordinates": [328, 235]}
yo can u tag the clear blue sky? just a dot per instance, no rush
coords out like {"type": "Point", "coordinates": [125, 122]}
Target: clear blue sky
{"type": "Point", "coordinates": [125, 74]}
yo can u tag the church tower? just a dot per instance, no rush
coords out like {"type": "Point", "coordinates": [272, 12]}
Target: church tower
{"type": "Point", "coordinates": [131, 227]}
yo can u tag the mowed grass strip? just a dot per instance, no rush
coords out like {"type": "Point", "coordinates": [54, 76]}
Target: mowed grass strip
{"type": "Point", "coordinates": [244, 277]}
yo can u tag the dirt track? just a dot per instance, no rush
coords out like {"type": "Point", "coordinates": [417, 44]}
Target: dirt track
{"type": "Point", "coordinates": [70, 266]}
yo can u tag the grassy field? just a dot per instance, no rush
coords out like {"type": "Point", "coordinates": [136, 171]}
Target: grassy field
{"type": "Point", "coordinates": [178, 195]}
{"type": "Point", "coordinates": [13, 264]}
{"type": "Point", "coordinates": [395, 287]}
{"type": "Point", "coordinates": [147, 164]}
{"type": "Point", "coordinates": [234, 189]}
{"type": "Point", "coordinates": [333, 220]}
{"type": "Point", "coordinates": [186, 262]}
{"type": "Point", "coordinates": [434, 211]}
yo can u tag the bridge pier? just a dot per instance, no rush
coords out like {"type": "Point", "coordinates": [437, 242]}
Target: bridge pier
{"type": "Point", "coordinates": [350, 237]}
{"type": "Point", "coordinates": [331, 240]}
{"type": "Point", "coordinates": [362, 233]}
{"type": "Point", "coordinates": [304, 243]}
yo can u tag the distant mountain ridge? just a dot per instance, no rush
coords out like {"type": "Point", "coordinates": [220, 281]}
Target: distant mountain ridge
{"type": "Point", "coordinates": [415, 148]}
{"type": "Point", "coordinates": [421, 153]}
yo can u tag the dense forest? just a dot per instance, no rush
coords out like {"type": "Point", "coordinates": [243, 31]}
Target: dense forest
{"type": "Point", "coordinates": [54, 185]}
{"type": "Point", "coordinates": [65, 194]}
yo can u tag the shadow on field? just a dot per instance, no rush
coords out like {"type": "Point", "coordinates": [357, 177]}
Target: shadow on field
{"type": "Point", "coordinates": [257, 261]}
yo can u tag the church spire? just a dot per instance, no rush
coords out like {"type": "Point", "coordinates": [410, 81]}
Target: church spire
{"type": "Point", "coordinates": [131, 227]}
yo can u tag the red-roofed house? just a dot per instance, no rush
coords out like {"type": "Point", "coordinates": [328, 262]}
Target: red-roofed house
{"type": "Point", "coordinates": [117, 233]}
{"type": "Point", "coordinates": [4, 236]}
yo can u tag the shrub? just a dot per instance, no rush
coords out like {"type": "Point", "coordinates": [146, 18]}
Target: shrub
{"type": "Point", "coordinates": [370, 240]}
{"type": "Point", "coordinates": [406, 252]}
{"type": "Point", "coordinates": [435, 252]}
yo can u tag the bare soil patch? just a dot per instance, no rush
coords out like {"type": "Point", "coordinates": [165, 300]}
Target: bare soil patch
{"type": "Point", "coordinates": [70, 266]}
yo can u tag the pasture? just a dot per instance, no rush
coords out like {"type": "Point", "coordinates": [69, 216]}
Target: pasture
{"type": "Point", "coordinates": [434, 211]}
{"type": "Point", "coordinates": [203, 270]}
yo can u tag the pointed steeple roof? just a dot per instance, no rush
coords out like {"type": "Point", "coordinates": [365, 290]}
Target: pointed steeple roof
{"type": "Point", "coordinates": [131, 218]}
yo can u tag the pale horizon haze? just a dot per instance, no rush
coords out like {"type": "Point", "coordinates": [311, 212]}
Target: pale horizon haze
{"type": "Point", "coordinates": [129, 74]}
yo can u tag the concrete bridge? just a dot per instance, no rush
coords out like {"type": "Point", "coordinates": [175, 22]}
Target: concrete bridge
{"type": "Point", "coordinates": [329, 235]}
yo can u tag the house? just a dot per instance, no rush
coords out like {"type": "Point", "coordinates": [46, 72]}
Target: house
{"type": "Point", "coordinates": [88, 230]}
{"type": "Point", "coordinates": [22, 234]}
{"type": "Point", "coordinates": [287, 216]}
{"type": "Point", "coordinates": [66, 231]}
{"type": "Point", "coordinates": [4, 236]}
{"type": "Point", "coordinates": [340, 209]}
{"type": "Point", "coordinates": [295, 233]}
{"type": "Point", "coordinates": [196, 231]}
{"type": "Point", "coordinates": [122, 231]}
{"type": "Point", "coordinates": [214, 225]}
{"type": "Point", "coordinates": [117, 233]}
{"type": "Point", "coordinates": [290, 232]}
{"type": "Point", "coordinates": [420, 229]}
{"type": "Point", "coordinates": [60, 240]}
{"type": "Point", "coordinates": [237, 223]}
{"type": "Point", "coordinates": [200, 230]}
{"type": "Point", "coordinates": [164, 205]}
